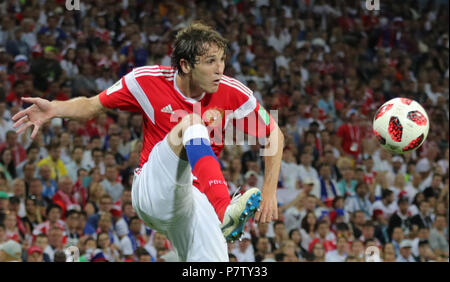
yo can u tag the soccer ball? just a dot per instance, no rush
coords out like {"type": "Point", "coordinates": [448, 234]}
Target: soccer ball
{"type": "Point", "coordinates": [401, 125]}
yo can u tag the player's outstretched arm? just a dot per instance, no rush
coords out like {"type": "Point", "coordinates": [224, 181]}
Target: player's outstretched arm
{"type": "Point", "coordinates": [273, 155]}
{"type": "Point", "coordinates": [42, 111]}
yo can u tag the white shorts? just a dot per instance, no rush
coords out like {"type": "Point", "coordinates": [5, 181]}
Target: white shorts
{"type": "Point", "coordinates": [164, 197]}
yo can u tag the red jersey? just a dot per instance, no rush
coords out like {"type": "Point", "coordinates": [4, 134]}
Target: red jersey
{"type": "Point", "coordinates": [152, 91]}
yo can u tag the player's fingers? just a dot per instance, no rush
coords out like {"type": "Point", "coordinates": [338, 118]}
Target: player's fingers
{"type": "Point", "coordinates": [24, 127]}
{"type": "Point", "coordinates": [21, 121]}
{"type": "Point", "coordinates": [264, 214]}
{"type": "Point", "coordinates": [35, 131]}
{"type": "Point", "coordinates": [30, 100]}
{"type": "Point", "coordinates": [275, 214]}
{"type": "Point", "coordinates": [20, 114]}
{"type": "Point", "coordinates": [257, 216]}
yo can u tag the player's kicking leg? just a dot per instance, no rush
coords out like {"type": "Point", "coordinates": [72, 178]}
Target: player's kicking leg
{"type": "Point", "coordinates": [189, 139]}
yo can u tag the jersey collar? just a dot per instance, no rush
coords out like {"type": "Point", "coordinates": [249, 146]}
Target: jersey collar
{"type": "Point", "coordinates": [187, 99]}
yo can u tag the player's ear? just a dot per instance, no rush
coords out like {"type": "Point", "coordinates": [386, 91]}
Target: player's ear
{"type": "Point", "coordinates": [185, 66]}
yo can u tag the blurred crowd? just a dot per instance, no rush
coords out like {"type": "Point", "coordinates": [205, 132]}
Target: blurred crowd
{"type": "Point", "coordinates": [325, 66]}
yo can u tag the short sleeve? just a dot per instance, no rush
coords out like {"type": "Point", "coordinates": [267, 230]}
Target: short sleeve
{"type": "Point", "coordinates": [248, 115]}
{"type": "Point", "coordinates": [118, 96]}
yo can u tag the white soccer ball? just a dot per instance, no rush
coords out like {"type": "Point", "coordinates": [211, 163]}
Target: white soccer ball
{"type": "Point", "coordinates": [401, 125]}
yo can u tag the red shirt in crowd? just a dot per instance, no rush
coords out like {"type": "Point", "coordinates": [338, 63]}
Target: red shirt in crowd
{"type": "Point", "coordinates": [351, 139]}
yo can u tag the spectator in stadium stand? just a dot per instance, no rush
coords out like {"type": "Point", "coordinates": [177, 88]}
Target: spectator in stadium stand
{"type": "Point", "coordinates": [87, 245]}
{"type": "Point", "coordinates": [422, 234]}
{"type": "Point", "coordinates": [18, 152]}
{"type": "Point", "coordinates": [19, 192]}
{"type": "Point", "coordinates": [41, 241]}
{"type": "Point", "coordinates": [308, 228]}
{"type": "Point", "coordinates": [288, 249]}
{"type": "Point", "coordinates": [59, 256]}
{"type": "Point", "coordinates": [439, 236]}
{"type": "Point", "coordinates": [54, 162]}
{"type": "Point", "coordinates": [121, 224]}
{"type": "Point", "coordinates": [296, 237]}
{"type": "Point", "coordinates": [402, 217]}
{"type": "Point", "coordinates": [56, 241]}
{"type": "Point", "coordinates": [388, 254]}
{"type": "Point", "coordinates": [113, 187]}
{"type": "Point", "coordinates": [279, 229]}
{"type": "Point", "coordinates": [387, 204]}
{"type": "Point", "coordinates": [357, 222]}
{"type": "Point", "coordinates": [158, 243]}
{"type": "Point", "coordinates": [105, 205]}
{"type": "Point", "coordinates": [341, 251]}
{"type": "Point", "coordinates": [328, 188]}
{"type": "Point", "coordinates": [29, 172]}
{"type": "Point", "coordinates": [109, 249]}
{"type": "Point", "coordinates": [360, 201]}
{"type": "Point", "coordinates": [262, 230]}
{"type": "Point", "coordinates": [350, 136]}
{"type": "Point", "coordinates": [64, 196]}
{"type": "Point", "coordinates": [397, 237]}
{"type": "Point", "coordinates": [435, 188]}
{"type": "Point", "coordinates": [244, 250]}
{"type": "Point", "coordinates": [318, 252]}
{"type": "Point", "coordinates": [324, 236]}
{"type": "Point", "coordinates": [306, 170]}
{"type": "Point", "coordinates": [53, 215]}
{"type": "Point", "coordinates": [105, 224]}
{"type": "Point", "coordinates": [35, 254]}
{"type": "Point", "coordinates": [72, 222]}
{"type": "Point", "coordinates": [33, 215]}
{"type": "Point", "coordinates": [423, 219]}
{"type": "Point", "coordinates": [142, 255]}
{"type": "Point", "coordinates": [405, 252]}
{"type": "Point", "coordinates": [368, 232]}
{"type": "Point", "coordinates": [425, 252]}
{"type": "Point", "coordinates": [262, 248]}
{"type": "Point", "coordinates": [11, 229]}
{"type": "Point", "coordinates": [347, 185]}
{"type": "Point", "coordinates": [128, 244]}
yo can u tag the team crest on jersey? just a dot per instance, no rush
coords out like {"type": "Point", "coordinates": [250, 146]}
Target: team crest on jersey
{"type": "Point", "coordinates": [116, 86]}
{"type": "Point", "coordinates": [213, 117]}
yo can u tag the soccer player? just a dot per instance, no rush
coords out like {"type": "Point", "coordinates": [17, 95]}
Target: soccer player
{"type": "Point", "coordinates": [182, 107]}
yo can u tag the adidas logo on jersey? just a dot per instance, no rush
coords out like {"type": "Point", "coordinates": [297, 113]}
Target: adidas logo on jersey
{"type": "Point", "coordinates": [167, 109]}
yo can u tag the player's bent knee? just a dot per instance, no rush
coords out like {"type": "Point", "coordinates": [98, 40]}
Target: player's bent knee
{"type": "Point", "coordinates": [175, 137]}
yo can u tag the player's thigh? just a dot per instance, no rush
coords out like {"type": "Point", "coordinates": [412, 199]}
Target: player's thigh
{"type": "Point", "coordinates": [162, 188]}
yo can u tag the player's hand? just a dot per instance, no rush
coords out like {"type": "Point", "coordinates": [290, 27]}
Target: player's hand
{"type": "Point", "coordinates": [38, 114]}
{"type": "Point", "coordinates": [268, 209]}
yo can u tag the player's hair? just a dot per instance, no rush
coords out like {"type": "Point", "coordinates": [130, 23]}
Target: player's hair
{"type": "Point", "coordinates": [193, 42]}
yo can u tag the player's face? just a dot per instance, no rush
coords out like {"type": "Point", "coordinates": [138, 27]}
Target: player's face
{"type": "Point", "coordinates": [209, 70]}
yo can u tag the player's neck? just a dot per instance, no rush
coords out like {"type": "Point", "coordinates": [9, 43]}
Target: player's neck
{"type": "Point", "coordinates": [187, 87]}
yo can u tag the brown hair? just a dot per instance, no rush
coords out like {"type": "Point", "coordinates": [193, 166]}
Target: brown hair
{"type": "Point", "coordinates": [193, 42]}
